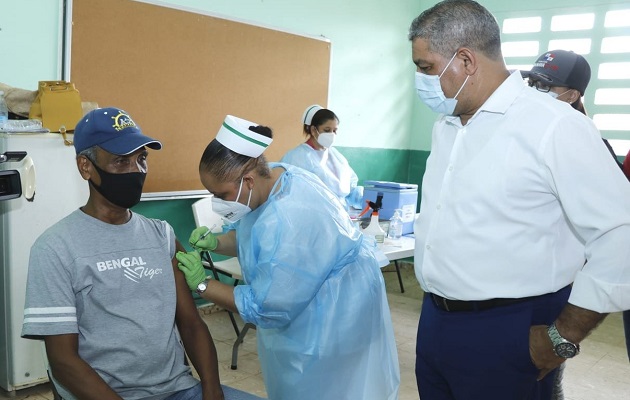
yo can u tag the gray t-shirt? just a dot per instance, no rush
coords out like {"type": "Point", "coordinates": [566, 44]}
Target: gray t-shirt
{"type": "Point", "coordinates": [114, 286]}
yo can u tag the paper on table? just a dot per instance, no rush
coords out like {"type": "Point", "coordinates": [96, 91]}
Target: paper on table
{"type": "Point", "coordinates": [23, 126]}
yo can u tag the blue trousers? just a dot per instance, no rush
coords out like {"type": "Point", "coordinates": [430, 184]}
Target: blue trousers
{"type": "Point", "coordinates": [483, 354]}
{"type": "Point", "coordinates": [194, 393]}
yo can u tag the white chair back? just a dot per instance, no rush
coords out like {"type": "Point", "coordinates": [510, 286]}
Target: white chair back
{"type": "Point", "coordinates": [205, 216]}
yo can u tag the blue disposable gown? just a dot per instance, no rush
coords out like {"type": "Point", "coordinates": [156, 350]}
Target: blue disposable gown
{"type": "Point", "coordinates": [313, 288]}
{"type": "Point", "coordinates": [332, 168]}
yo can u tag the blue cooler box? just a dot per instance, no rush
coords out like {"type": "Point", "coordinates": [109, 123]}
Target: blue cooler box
{"type": "Point", "coordinates": [395, 195]}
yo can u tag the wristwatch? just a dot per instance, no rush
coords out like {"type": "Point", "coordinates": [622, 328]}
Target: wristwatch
{"type": "Point", "coordinates": [562, 347]}
{"type": "Point", "coordinates": [202, 287]}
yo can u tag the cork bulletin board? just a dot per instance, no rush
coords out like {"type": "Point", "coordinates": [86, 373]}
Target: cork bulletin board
{"type": "Point", "coordinates": [178, 73]}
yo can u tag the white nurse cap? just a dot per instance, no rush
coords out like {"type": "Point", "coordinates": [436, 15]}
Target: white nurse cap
{"type": "Point", "coordinates": [309, 112]}
{"type": "Point", "coordinates": [236, 136]}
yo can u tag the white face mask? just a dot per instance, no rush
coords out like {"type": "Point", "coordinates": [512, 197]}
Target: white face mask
{"type": "Point", "coordinates": [326, 139]}
{"type": "Point", "coordinates": [232, 211]}
{"type": "Point", "coordinates": [556, 95]}
{"type": "Point", "coordinates": [430, 91]}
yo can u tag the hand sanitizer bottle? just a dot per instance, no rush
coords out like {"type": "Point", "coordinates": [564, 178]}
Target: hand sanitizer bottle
{"type": "Point", "coordinates": [395, 226]}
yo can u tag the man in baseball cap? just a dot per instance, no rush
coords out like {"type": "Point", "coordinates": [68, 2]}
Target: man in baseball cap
{"type": "Point", "coordinates": [103, 134]}
{"type": "Point", "coordinates": [561, 73]}
{"type": "Point", "coordinates": [102, 289]}
{"type": "Point", "coordinates": [564, 75]}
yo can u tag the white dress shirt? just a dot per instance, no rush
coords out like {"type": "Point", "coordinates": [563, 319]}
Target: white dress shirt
{"type": "Point", "coordinates": [516, 200]}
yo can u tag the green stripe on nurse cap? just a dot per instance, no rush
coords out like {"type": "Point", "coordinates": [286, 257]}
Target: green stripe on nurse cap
{"type": "Point", "coordinates": [309, 112]}
{"type": "Point", "coordinates": [236, 136]}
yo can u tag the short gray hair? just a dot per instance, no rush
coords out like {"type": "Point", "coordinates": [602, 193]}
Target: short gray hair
{"type": "Point", "coordinates": [452, 24]}
{"type": "Point", "coordinates": [90, 153]}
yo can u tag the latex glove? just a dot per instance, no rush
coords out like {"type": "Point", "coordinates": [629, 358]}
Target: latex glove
{"type": "Point", "coordinates": [208, 243]}
{"type": "Point", "coordinates": [190, 264]}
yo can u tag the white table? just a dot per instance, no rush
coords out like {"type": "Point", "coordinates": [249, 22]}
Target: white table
{"type": "Point", "coordinates": [395, 250]}
{"type": "Point", "coordinates": [401, 248]}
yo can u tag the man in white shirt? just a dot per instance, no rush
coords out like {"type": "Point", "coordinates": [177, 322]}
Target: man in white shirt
{"type": "Point", "coordinates": [518, 191]}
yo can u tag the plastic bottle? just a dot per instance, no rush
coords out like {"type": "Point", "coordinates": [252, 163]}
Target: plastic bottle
{"type": "Point", "coordinates": [374, 229]}
{"type": "Point", "coordinates": [4, 110]}
{"type": "Point", "coordinates": [395, 226]}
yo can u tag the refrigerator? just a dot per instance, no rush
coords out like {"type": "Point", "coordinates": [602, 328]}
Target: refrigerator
{"type": "Point", "coordinates": [49, 170]}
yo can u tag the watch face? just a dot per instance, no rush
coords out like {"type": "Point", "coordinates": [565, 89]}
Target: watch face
{"type": "Point", "coordinates": [566, 350]}
{"type": "Point", "coordinates": [202, 287]}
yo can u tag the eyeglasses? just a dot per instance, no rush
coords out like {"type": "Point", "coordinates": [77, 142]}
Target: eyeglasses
{"type": "Point", "coordinates": [540, 86]}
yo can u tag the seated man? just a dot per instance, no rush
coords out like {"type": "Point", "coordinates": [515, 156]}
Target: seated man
{"type": "Point", "coordinates": [103, 288]}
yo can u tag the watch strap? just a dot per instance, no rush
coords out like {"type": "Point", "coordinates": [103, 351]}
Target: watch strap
{"type": "Point", "coordinates": [561, 346]}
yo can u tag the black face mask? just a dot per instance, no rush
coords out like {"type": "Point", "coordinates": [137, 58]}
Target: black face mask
{"type": "Point", "coordinates": [123, 190]}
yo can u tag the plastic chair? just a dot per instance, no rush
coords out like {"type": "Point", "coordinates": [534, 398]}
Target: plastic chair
{"type": "Point", "coordinates": [205, 216]}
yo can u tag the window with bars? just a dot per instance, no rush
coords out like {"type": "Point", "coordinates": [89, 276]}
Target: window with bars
{"type": "Point", "coordinates": [602, 36]}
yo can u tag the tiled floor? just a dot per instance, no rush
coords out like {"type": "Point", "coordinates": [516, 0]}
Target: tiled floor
{"type": "Point", "coordinates": [600, 372]}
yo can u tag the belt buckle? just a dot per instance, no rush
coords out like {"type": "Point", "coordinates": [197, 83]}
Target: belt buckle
{"type": "Point", "coordinates": [445, 304]}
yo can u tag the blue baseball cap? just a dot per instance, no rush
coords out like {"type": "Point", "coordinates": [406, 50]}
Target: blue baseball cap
{"type": "Point", "coordinates": [113, 130]}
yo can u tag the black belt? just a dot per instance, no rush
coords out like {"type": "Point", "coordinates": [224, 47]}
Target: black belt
{"type": "Point", "coordinates": [459, 305]}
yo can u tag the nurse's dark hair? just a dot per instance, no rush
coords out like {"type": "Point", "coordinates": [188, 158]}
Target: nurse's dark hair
{"type": "Point", "coordinates": [227, 165]}
{"type": "Point", "coordinates": [320, 117]}
{"type": "Point", "coordinates": [452, 24]}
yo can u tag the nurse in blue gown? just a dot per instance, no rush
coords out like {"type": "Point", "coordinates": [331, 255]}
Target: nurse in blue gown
{"type": "Point", "coordinates": [312, 285]}
{"type": "Point", "coordinates": [318, 156]}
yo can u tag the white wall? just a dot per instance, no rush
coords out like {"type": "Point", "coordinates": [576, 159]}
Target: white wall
{"type": "Point", "coordinates": [30, 42]}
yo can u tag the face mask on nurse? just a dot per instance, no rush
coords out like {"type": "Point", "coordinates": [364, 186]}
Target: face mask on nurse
{"type": "Point", "coordinates": [326, 139]}
{"type": "Point", "coordinates": [430, 91]}
{"type": "Point", "coordinates": [232, 211]}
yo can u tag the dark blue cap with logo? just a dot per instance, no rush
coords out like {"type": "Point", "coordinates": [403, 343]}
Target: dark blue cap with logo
{"type": "Point", "coordinates": [561, 68]}
{"type": "Point", "coordinates": [113, 130]}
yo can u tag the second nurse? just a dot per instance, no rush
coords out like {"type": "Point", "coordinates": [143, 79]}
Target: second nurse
{"type": "Point", "coordinates": [317, 155]}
